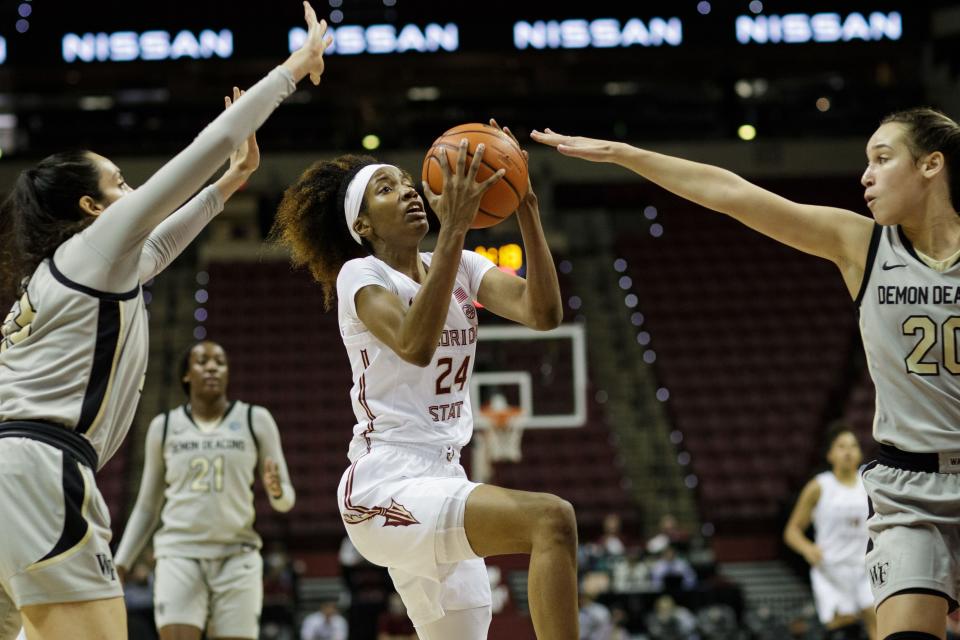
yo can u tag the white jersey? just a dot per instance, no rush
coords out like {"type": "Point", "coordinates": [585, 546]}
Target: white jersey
{"type": "Point", "coordinates": [910, 323]}
{"type": "Point", "coordinates": [840, 520]}
{"type": "Point", "coordinates": [393, 400]}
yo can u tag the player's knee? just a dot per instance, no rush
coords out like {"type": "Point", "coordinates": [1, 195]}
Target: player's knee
{"type": "Point", "coordinates": [556, 521]}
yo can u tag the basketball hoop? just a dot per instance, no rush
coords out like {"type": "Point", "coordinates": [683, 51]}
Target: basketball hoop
{"type": "Point", "coordinates": [500, 419]}
{"type": "Point", "coordinates": [499, 441]}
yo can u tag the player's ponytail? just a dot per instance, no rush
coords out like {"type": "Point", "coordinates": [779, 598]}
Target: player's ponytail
{"type": "Point", "coordinates": [311, 224]}
{"type": "Point", "coordinates": [9, 256]}
{"type": "Point", "coordinates": [41, 212]}
{"type": "Point", "coordinates": [931, 130]}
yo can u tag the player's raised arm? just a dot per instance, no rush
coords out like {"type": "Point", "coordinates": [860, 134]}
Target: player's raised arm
{"type": "Point", "coordinates": [533, 301]}
{"type": "Point", "coordinates": [122, 227]}
{"type": "Point", "coordinates": [841, 236]}
{"type": "Point", "coordinates": [412, 333]}
{"type": "Point", "coordinates": [172, 236]}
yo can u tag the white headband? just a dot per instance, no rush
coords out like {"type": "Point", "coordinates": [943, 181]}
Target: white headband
{"type": "Point", "coordinates": [354, 196]}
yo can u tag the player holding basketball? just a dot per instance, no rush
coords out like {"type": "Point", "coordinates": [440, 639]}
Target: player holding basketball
{"type": "Point", "coordinates": [836, 503]}
{"type": "Point", "coordinates": [76, 242]}
{"type": "Point", "coordinates": [409, 327]}
{"type": "Point", "coordinates": [902, 272]}
{"type": "Point", "coordinates": [199, 466]}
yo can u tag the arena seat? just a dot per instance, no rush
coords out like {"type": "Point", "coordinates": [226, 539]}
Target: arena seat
{"type": "Point", "coordinates": [751, 338]}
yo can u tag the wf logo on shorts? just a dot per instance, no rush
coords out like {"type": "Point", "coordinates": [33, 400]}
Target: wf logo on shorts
{"type": "Point", "coordinates": [106, 566]}
{"type": "Point", "coordinates": [878, 573]}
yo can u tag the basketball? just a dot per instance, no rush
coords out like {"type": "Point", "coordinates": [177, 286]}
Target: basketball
{"type": "Point", "coordinates": [501, 152]}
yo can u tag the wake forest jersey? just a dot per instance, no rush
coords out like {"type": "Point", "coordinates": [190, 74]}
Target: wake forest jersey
{"type": "Point", "coordinates": [840, 520]}
{"type": "Point", "coordinates": [910, 323]}
{"type": "Point", "coordinates": [208, 509]}
{"type": "Point", "coordinates": [74, 356]}
{"type": "Point", "coordinates": [393, 400]}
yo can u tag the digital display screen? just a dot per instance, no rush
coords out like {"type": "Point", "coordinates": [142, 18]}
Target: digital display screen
{"type": "Point", "coordinates": [78, 38]}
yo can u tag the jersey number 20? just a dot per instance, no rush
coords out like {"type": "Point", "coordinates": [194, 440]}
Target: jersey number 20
{"type": "Point", "coordinates": [927, 328]}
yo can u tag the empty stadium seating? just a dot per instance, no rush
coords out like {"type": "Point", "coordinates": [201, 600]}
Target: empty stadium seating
{"type": "Point", "coordinates": [752, 340]}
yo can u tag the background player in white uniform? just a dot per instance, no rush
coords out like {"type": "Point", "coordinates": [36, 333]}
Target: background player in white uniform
{"type": "Point", "coordinates": [75, 245]}
{"type": "Point", "coordinates": [199, 465]}
{"type": "Point", "coordinates": [903, 273]}
{"type": "Point", "coordinates": [409, 326]}
{"type": "Point", "coordinates": [836, 503]}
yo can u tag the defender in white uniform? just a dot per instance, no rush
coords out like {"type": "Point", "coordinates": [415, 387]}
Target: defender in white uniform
{"type": "Point", "coordinates": [903, 274]}
{"type": "Point", "coordinates": [73, 349]}
{"type": "Point", "coordinates": [409, 325]}
{"type": "Point", "coordinates": [199, 466]}
{"type": "Point", "coordinates": [836, 504]}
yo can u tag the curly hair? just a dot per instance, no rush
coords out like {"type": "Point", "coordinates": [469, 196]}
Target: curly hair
{"type": "Point", "coordinates": [930, 130]}
{"type": "Point", "coordinates": [40, 213]}
{"type": "Point", "coordinates": [310, 221]}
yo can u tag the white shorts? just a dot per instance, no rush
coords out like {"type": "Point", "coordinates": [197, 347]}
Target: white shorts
{"type": "Point", "coordinates": [222, 595]}
{"type": "Point", "coordinates": [840, 590]}
{"type": "Point", "coordinates": [403, 508]}
{"type": "Point", "coordinates": [55, 540]}
{"type": "Point", "coordinates": [914, 532]}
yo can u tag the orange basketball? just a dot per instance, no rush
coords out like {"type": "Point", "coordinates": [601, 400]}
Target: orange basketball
{"type": "Point", "coordinates": [501, 152]}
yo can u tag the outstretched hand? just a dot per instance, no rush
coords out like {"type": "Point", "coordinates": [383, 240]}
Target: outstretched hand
{"type": "Point", "coordinates": [457, 206]}
{"type": "Point", "coordinates": [246, 158]}
{"type": "Point", "coordinates": [308, 59]}
{"type": "Point", "coordinates": [578, 147]}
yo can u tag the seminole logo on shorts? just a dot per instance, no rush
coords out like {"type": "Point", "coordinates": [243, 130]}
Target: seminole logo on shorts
{"type": "Point", "coordinates": [396, 515]}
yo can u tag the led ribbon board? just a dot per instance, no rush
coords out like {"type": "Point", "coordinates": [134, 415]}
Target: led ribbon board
{"type": "Point", "coordinates": [125, 46]}
{"type": "Point", "coordinates": [798, 28]}
{"type": "Point", "coordinates": [385, 38]}
{"type": "Point", "coordinates": [602, 33]}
